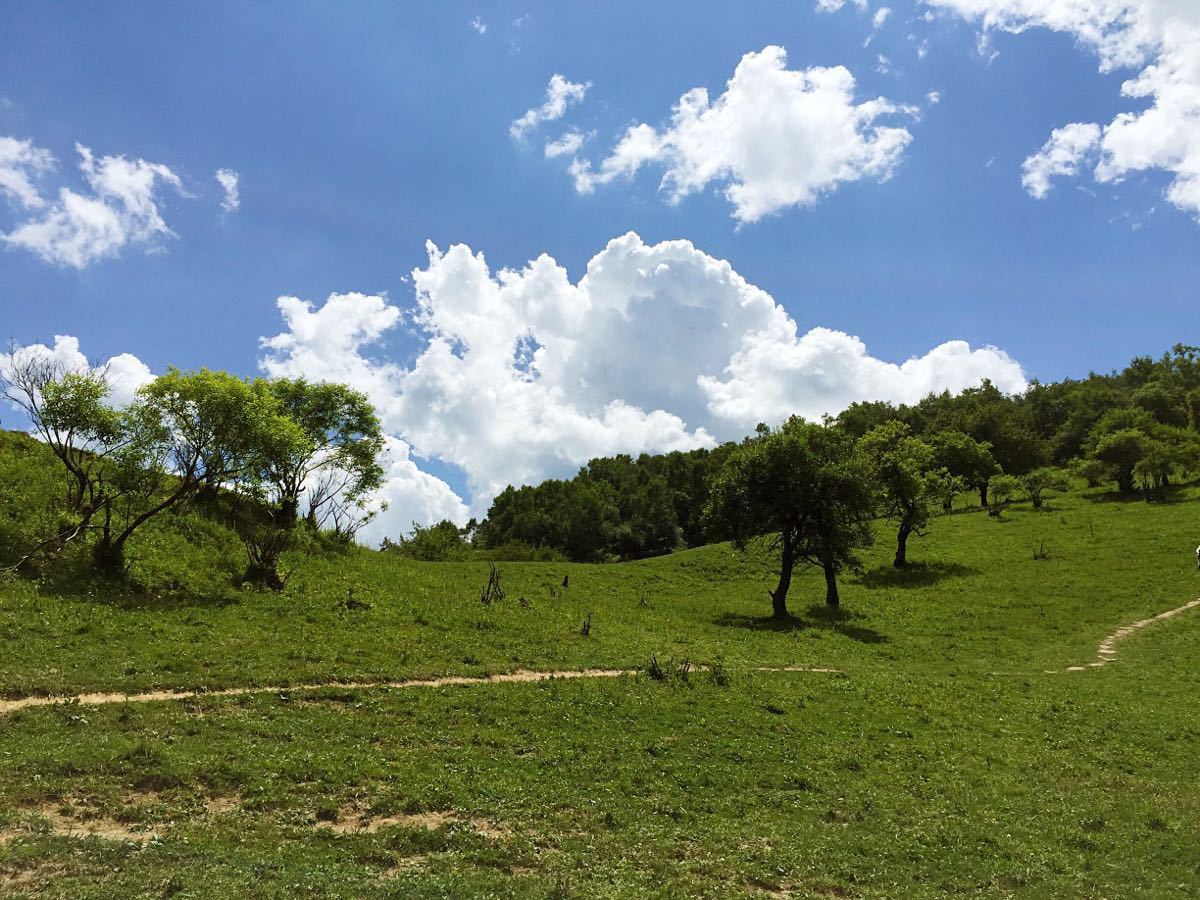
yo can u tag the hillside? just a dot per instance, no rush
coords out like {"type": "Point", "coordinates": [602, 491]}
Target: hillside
{"type": "Point", "coordinates": [951, 751]}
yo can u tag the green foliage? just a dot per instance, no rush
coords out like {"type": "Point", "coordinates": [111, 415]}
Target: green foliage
{"type": "Point", "coordinates": [964, 457]}
{"type": "Point", "coordinates": [1039, 482]}
{"type": "Point", "coordinates": [932, 756]}
{"type": "Point", "coordinates": [1001, 492]}
{"type": "Point", "coordinates": [908, 481]}
{"type": "Point", "coordinates": [324, 444]}
{"type": "Point", "coordinates": [578, 517]}
{"type": "Point", "coordinates": [442, 542]}
{"type": "Point", "coordinates": [804, 483]}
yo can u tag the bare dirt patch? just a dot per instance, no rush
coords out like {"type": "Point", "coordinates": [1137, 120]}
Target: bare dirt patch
{"type": "Point", "coordinates": [23, 879]}
{"type": "Point", "coordinates": [355, 818]}
{"type": "Point", "coordinates": [404, 866]}
{"type": "Point", "coordinates": [78, 823]}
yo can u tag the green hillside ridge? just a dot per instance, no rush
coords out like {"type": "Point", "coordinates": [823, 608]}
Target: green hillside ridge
{"type": "Point", "coordinates": [942, 758]}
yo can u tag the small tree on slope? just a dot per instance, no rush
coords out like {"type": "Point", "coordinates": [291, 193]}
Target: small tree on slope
{"type": "Point", "coordinates": [908, 481]}
{"type": "Point", "coordinates": [804, 483]}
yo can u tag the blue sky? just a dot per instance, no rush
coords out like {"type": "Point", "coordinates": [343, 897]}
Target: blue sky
{"type": "Point", "coordinates": [359, 132]}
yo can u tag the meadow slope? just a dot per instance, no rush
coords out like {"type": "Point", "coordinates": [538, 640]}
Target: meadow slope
{"type": "Point", "coordinates": [945, 759]}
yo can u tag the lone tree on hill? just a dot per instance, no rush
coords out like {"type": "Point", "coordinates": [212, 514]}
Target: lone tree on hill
{"type": "Point", "coordinates": [908, 480]}
{"type": "Point", "coordinates": [804, 483]}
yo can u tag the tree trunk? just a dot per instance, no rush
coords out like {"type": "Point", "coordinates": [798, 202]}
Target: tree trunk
{"type": "Point", "coordinates": [1125, 481]}
{"type": "Point", "coordinates": [265, 574]}
{"type": "Point", "coordinates": [983, 486]}
{"type": "Point", "coordinates": [831, 588]}
{"type": "Point", "coordinates": [787, 562]}
{"type": "Point", "coordinates": [901, 559]}
{"type": "Point", "coordinates": [109, 556]}
{"type": "Point", "coordinates": [1037, 501]}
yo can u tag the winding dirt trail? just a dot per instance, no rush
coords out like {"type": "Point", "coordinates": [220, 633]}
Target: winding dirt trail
{"type": "Point", "coordinates": [1105, 653]}
{"type": "Point", "coordinates": [520, 676]}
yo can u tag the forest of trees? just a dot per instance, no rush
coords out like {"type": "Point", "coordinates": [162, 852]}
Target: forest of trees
{"type": "Point", "coordinates": [1136, 429]}
{"type": "Point", "coordinates": [287, 460]}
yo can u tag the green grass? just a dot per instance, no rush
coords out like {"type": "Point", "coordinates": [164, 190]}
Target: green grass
{"type": "Point", "coordinates": [944, 761]}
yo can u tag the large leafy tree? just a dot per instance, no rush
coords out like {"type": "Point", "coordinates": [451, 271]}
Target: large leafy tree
{"type": "Point", "coordinates": [326, 447]}
{"type": "Point", "coordinates": [804, 486]}
{"type": "Point", "coordinates": [908, 480]}
{"type": "Point", "coordinates": [199, 430]}
{"type": "Point", "coordinates": [184, 432]}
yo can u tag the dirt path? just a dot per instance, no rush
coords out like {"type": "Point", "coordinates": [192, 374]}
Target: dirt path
{"type": "Point", "coordinates": [520, 676]}
{"type": "Point", "coordinates": [1107, 651]}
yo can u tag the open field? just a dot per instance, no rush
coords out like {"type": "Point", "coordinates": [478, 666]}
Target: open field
{"type": "Point", "coordinates": [942, 758]}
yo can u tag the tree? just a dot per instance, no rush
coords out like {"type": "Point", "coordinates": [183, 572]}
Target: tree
{"type": "Point", "coordinates": [804, 483]}
{"type": "Point", "coordinates": [907, 479]}
{"type": "Point", "coordinates": [184, 432]}
{"type": "Point", "coordinates": [1003, 489]}
{"type": "Point", "coordinates": [443, 542]}
{"type": "Point", "coordinates": [327, 446]}
{"type": "Point", "coordinates": [859, 418]}
{"type": "Point", "coordinates": [1121, 451]}
{"type": "Point", "coordinates": [102, 449]}
{"type": "Point", "coordinates": [578, 518]}
{"type": "Point", "coordinates": [199, 430]}
{"type": "Point", "coordinates": [966, 458]}
{"type": "Point", "coordinates": [1041, 480]}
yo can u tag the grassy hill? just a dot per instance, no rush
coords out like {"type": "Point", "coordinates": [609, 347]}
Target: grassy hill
{"type": "Point", "coordinates": [942, 757]}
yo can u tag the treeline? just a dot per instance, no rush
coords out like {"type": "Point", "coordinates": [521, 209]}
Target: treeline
{"type": "Point", "coordinates": [283, 461]}
{"type": "Point", "coordinates": [1137, 429]}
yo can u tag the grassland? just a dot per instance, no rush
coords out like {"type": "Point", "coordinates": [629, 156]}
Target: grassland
{"type": "Point", "coordinates": [942, 759]}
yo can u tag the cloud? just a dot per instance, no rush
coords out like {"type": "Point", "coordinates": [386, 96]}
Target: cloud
{"type": "Point", "coordinates": [479, 25]}
{"type": "Point", "coordinates": [1158, 38]}
{"type": "Point", "coordinates": [880, 17]}
{"type": "Point", "coordinates": [228, 180]}
{"type": "Point", "coordinates": [411, 496]}
{"type": "Point", "coordinates": [524, 374]}
{"type": "Point", "coordinates": [21, 164]}
{"type": "Point", "coordinates": [832, 6]}
{"type": "Point", "coordinates": [567, 145]}
{"type": "Point", "coordinates": [1060, 155]}
{"type": "Point", "coordinates": [122, 209]}
{"type": "Point", "coordinates": [776, 138]}
{"type": "Point", "coordinates": [560, 94]}
{"type": "Point", "coordinates": [126, 373]}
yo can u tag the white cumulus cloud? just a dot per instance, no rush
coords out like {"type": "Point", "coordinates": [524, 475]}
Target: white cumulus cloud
{"type": "Point", "coordinates": [776, 138]}
{"type": "Point", "coordinates": [524, 374]}
{"type": "Point", "coordinates": [126, 373]}
{"type": "Point", "coordinates": [21, 165]}
{"type": "Point", "coordinates": [560, 94]}
{"type": "Point", "coordinates": [1060, 155]}
{"type": "Point", "coordinates": [1160, 41]}
{"type": "Point", "coordinates": [410, 495]}
{"type": "Point", "coordinates": [567, 145]}
{"type": "Point", "coordinates": [228, 179]}
{"type": "Point", "coordinates": [121, 209]}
